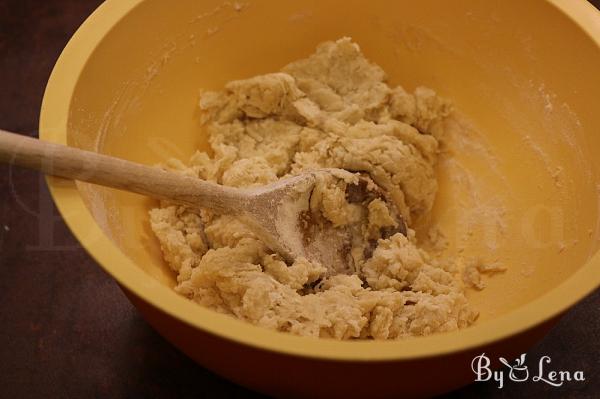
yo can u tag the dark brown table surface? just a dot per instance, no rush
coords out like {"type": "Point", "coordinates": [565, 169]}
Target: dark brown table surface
{"type": "Point", "coordinates": [66, 329]}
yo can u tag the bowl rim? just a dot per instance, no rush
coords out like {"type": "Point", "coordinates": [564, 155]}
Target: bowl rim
{"type": "Point", "coordinates": [53, 127]}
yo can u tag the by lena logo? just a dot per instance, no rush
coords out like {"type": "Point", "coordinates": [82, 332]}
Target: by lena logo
{"type": "Point", "coordinates": [519, 372]}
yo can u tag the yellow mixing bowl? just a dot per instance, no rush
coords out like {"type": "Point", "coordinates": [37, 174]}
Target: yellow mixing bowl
{"type": "Point", "coordinates": [524, 73]}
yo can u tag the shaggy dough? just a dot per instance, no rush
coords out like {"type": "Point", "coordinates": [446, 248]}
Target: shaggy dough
{"type": "Point", "coordinates": [333, 109]}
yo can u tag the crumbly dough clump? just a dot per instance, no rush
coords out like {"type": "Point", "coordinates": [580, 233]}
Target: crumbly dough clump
{"type": "Point", "coordinates": [333, 109]}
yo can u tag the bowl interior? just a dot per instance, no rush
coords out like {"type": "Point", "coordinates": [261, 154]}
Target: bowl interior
{"type": "Point", "coordinates": [519, 183]}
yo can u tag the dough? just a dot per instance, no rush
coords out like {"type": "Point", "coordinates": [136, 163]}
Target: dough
{"type": "Point", "coordinates": [333, 109]}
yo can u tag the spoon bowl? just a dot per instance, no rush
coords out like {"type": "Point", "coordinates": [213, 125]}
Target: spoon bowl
{"type": "Point", "coordinates": [509, 66]}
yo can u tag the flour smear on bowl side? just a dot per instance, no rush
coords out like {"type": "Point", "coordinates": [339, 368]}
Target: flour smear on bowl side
{"type": "Point", "coordinates": [333, 109]}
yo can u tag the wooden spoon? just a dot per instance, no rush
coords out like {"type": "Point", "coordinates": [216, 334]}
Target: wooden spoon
{"type": "Point", "coordinates": [273, 211]}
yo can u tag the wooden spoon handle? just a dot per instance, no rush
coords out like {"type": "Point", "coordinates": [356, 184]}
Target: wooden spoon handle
{"type": "Point", "coordinates": [72, 163]}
